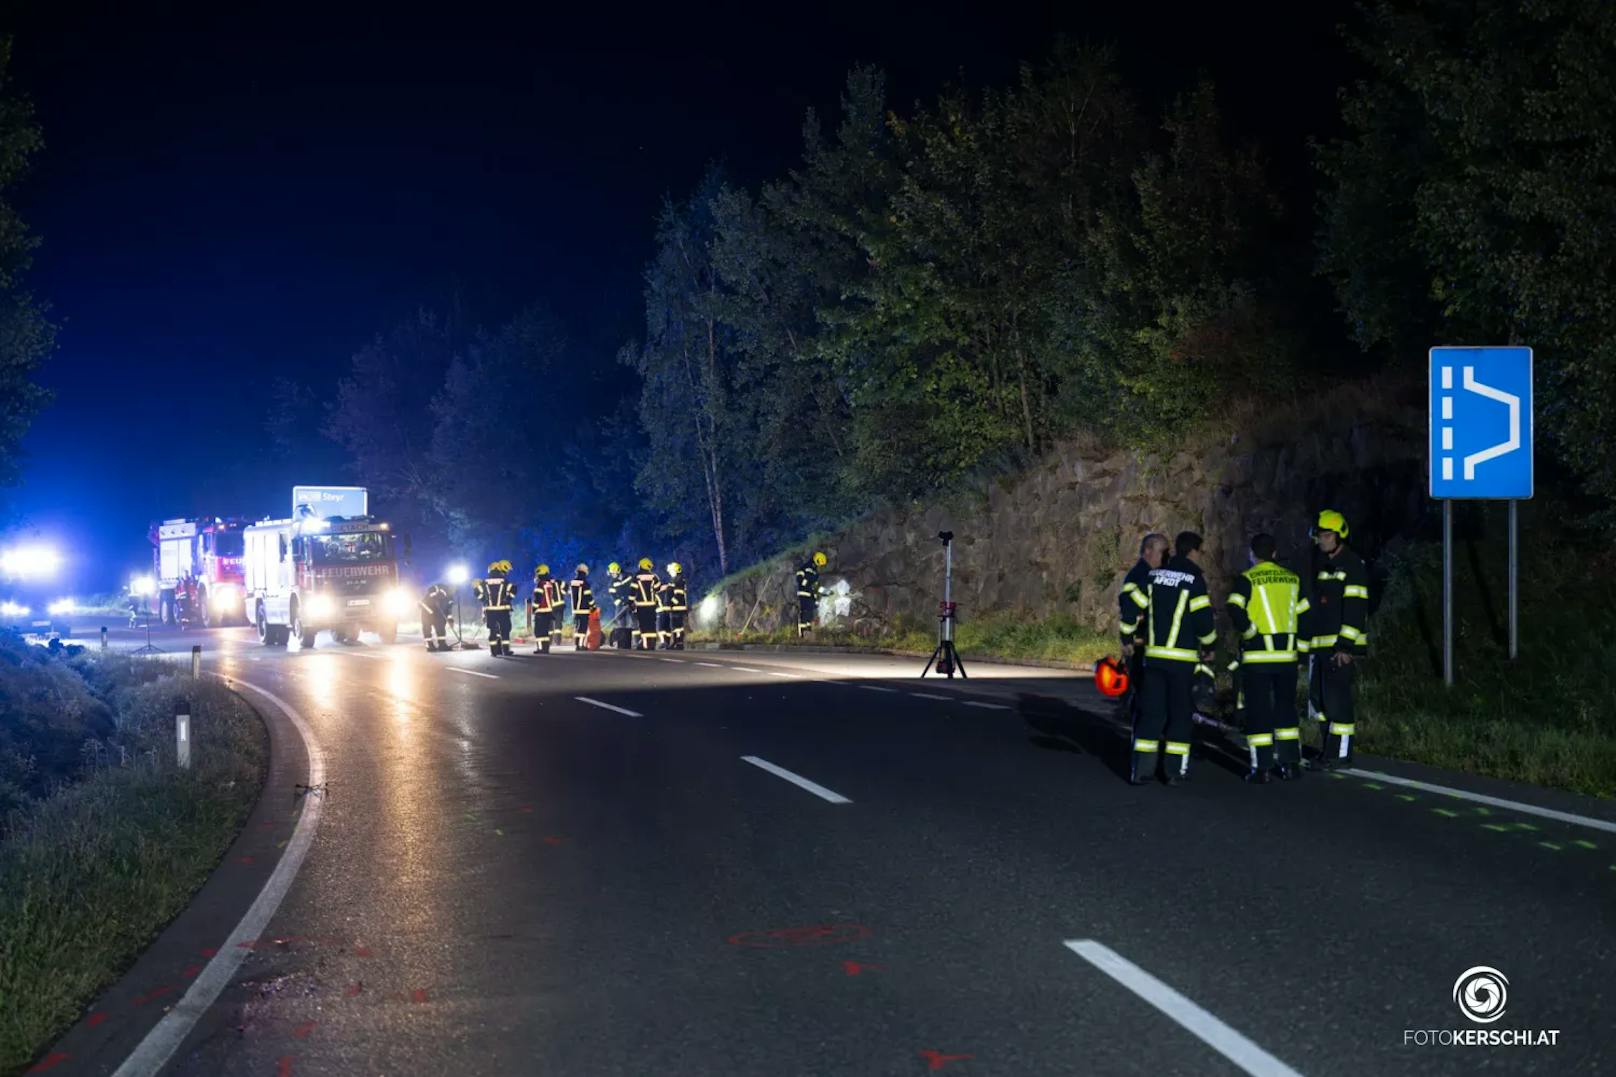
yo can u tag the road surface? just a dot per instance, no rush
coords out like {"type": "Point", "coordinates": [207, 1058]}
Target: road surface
{"type": "Point", "coordinates": [762, 863]}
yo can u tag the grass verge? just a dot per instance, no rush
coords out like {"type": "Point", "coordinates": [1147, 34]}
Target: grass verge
{"type": "Point", "coordinates": [991, 636]}
{"type": "Point", "coordinates": [94, 871]}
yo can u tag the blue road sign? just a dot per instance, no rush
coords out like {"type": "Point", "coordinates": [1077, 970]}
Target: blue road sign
{"type": "Point", "coordinates": [1481, 423]}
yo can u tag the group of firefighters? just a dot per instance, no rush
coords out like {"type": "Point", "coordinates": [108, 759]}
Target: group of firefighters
{"type": "Point", "coordinates": [1168, 641]}
{"type": "Point", "coordinates": [657, 608]}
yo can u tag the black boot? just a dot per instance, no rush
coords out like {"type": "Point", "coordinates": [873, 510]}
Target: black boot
{"type": "Point", "coordinates": [1257, 776]}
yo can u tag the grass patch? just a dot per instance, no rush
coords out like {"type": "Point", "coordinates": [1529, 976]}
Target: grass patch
{"type": "Point", "coordinates": [95, 869]}
{"type": "Point", "coordinates": [991, 636]}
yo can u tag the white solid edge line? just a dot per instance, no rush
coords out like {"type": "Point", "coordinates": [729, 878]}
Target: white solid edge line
{"type": "Point", "coordinates": [712, 665]}
{"type": "Point", "coordinates": [874, 688]}
{"type": "Point", "coordinates": [745, 669]}
{"type": "Point", "coordinates": [1201, 1024]}
{"type": "Point", "coordinates": [159, 1045]}
{"type": "Point", "coordinates": [798, 780]}
{"type": "Point", "coordinates": [928, 695]}
{"type": "Point", "coordinates": [473, 673]}
{"type": "Point", "coordinates": [787, 676]}
{"type": "Point", "coordinates": [681, 661]}
{"type": "Point", "coordinates": [1482, 798]}
{"type": "Point", "coordinates": [608, 706]}
{"type": "Point", "coordinates": [990, 706]}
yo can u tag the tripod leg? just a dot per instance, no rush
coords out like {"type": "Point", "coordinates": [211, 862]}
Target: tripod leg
{"type": "Point", "coordinates": [958, 664]}
{"type": "Point", "coordinates": [929, 661]}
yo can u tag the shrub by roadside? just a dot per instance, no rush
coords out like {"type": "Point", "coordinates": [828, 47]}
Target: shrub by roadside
{"type": "Point", "coordinates": [99, 865]}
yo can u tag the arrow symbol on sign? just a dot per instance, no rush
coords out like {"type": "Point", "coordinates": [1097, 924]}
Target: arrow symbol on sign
{"type": "Point", "coordinates": [1509, 445]}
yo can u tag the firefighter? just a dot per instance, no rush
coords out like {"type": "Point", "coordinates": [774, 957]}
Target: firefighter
{"type": "Point", "coordinates": [583, 600]}
{"type": "Point", "coordinates": [618, 589]}
{"type": "Point", "coordinates": [1264, 606]}
{"type": "Point", "coordinates": [664, 620]}
{"type": "Point", "coordinates": [436, 605]}
{"type": "Point", "coordinates": [558, 611]}
{"type": "Point", "coordinates": [1152, 552]}
{"type": "Point", "coordinates": [808, 592]}
{"type": "Point", "coordinates": [1335, 634]}
{"type": "Point", "coordinates": [497, 594]}
{"type": "Point", "coordinates": [1179, 635]}
{"type": "Point", "coordinates": [678, 605]}
{"type": "Point", "coordinates": [643, 588]}
{"type": "Point", "coordinates": [541, 609]}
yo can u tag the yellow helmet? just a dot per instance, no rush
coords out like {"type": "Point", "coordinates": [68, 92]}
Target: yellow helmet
{"type": "Point", "coordinates": [1331, 520]}
{"type": "Point", "coordinates": [498, 566]}
{"type": "Point", "coordinates": [645, 563]}
{"type": "Point", "coordinates": [542, 570]}
{"type": "Point", "coordinates": [819, 559]}
{"type": "Point", "coordinates": [583, 568]}
{"type": "Point", "coordinates": [674, 568]}
{"type": "Point", "coordinates": [614, 569]}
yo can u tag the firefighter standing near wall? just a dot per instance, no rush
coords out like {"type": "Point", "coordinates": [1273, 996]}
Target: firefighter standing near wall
{"type": "Point", "coordinates": [643, 587]}
{"type": "Point", "coordinates": [1152, 552]}
{"type": "Point", "coordinates": [1265, 603]}
{"type": "Point", "coordinates": [678, 593]}
{"type": "Point", "coordinates": [1335, 633]}
{"type": "Point", "coordinates": [583, 600]}
{"type": "Point", "coordinates": [497, 595]}
{"type": "Point", "coordinates": [541, 609]}
{"type": "Point", "coordinates": [808, 592]}
{"type": "Point", "coordinates": [435, 607]}
{"type": "Point", "coordinates": [1179, 634]}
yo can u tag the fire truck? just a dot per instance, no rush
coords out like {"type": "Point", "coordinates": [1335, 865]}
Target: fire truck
{"type": "Point", "coordinates": [197, 565]}
{"type": "Point", "coordinates": [323, 570]}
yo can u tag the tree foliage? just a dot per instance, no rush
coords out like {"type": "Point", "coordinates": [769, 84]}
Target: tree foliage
{"type": "Point", "coordinates": [1473, 197]}
{"type": "Point", "coordinates": [26, 335]}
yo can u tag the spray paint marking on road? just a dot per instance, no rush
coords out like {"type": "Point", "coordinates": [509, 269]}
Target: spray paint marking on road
{"type": "Point", "coordinates": [1198, 1022]}
{"type": "Point", "coordinates": [798, 780]}
{"type": "Point", "coordinates": [608, 706]}
{"type": "Point", "coordinates": [1496, 802]}
{"type": "Point", "coordinates": [474, 673]}
{"type": "Point", "coordinates": [150, 1055]}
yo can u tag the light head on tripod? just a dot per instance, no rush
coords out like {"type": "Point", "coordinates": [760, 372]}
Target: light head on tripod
{"type": "Point", "coordinates": [946, 537]}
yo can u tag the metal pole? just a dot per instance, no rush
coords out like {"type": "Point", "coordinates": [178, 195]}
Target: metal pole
{"type": "Point", "coordinates": [182, 735]}
{"type": "Point", "coordinates": [948, 590]}
{"type": "Point", "coordinates": [1447, 593]}
{"type": "Point", "coordinates": [103, 637]}
{"type": "Point", "coordinates": [196, 660]}
{"type": "Point", "coordinates": [1514, 585]}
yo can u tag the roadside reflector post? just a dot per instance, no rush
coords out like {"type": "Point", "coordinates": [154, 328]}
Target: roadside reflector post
{"type": "Point", "coordinates": [196, 660]}
{"type": "Point", "coordinates": [182, 734]}
{"type": "Point", "coordinates": [103, 637]}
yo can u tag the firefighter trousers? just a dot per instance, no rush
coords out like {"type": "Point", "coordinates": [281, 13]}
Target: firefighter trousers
{"type": "Point", "coordinates": [1164, 723]}
{"type": "Point", "coordinates": [499, 630]}
{"type": "Point", "coordinates": [648, 633]}
{"type": "Point", "coordinates": [664, 628]}
{"type": "Point", "coordinates": [580, 629]}
{"type": "Point", "coordinates": [1330, 703]}
{"type": "Point", "coordinates": [434, 630]}
{"type": "Point", "coordinates": [541, 630]}
{"type": "Point", "coordinates": [676, 628]}
{"type": "Point", "coordinates": [1270, 699]}
{"type": "Point", "coordinates": [807, 609]}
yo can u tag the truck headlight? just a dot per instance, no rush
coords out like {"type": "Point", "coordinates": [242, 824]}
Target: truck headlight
{"type": "Point", "coordinates": [396, 602]}
{"type": "Point", "coordinates": [225, 595]}
{"type": "Point", "coordinates": [321, 606]}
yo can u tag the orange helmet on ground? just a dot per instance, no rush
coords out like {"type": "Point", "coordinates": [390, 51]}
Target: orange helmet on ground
{"type": "Point", "coordinates": [1110, 677]}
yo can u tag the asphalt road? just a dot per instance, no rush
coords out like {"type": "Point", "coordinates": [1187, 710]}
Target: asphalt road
{"type": "Point", "coordinates": [600, 863]}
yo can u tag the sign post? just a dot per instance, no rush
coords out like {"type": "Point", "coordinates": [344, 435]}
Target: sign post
{"type": "Point", "coordinates": [1480, 449]}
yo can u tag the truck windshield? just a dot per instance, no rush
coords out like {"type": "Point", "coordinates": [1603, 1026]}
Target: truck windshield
{"type": "Point", "coordinates": [227, 543]}
{"type": "Point", "coordinates": [356, 548]}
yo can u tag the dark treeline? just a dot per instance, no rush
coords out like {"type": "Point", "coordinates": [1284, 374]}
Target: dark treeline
{"type": "Point", "coordinates": [944, 291]}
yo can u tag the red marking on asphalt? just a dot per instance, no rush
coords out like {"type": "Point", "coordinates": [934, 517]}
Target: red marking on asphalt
{"type": "Point", "coordinates": [244, 860]}
{"type": "Point", "coordinates": [190, 972]}
{"type": "Point", "coordinates": [936, 1060]}
{"type": "Point", "coordinates": [853, 968]}
{"type": "Point", "coordinates": [209, 951]}
{"type": "Point", "coordinates": [815, 935]}
{"type": "Point", "coordinates": [418, 995]}
{"type": "Point", "coordinates": [302, 1031]}
{"type": "Point", "coordinates": [154, 993]}
{"type": "Point", "coordinates": [553, 840]}
{"type": "Point", "coordinates": [96, 1018]}
{"type": "Point", "coordinates": [283, 1066]}
{"type": "Point", "coordinates": [353, 990]}
{"type": "Point", "coordinates": [50, 1061]}
{"type": "Point", "coordinates": [361, 951]}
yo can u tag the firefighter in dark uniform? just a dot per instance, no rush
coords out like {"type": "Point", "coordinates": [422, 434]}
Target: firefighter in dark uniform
{"type": "Point", "coordinates": [541, 609]}
{"type": "Point", "coordinates": [678, 593]}
{"type": "Point", "coordinates": [1152, 551]}
{"type": "Point", "coordinates": [1265, 604]}
{"type": "Point", "coordinates": [664, 611]}
{"type": "Point", "coordinates": [558, 610]}
{"type": "Point", "coordinates": [622, 603]}
{"type": "Point", "coordinates": [435, 607]}
{"type": "Point", "coordinates": [1335, 634]}
{"type": "Point", "coordinates": [497, 595]}
{"type": "Point", "coordinates": [583, 600]}
{"type": "Point", "coordinates": [808, 592]}
{"type": "Point", "coordinates": [643, 587]}
{"type": "Point", "coordinates": [1179, 635]}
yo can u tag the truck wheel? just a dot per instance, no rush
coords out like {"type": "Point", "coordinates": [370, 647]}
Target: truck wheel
{"type": "Point", "coordinates": [300, 630]}
{"type": "Point", "coordinates": [165, 607]}
{"type": "Point", "coordinates": [388, 633]}
{"type": "Point", "coordinates": [279, 635]}
{"type": "Point", "coordinates": [340, 635]}
{"type": "Point", "coordinates": [207, 610]}
{"type": "Point", "coordinates": [263, 627]}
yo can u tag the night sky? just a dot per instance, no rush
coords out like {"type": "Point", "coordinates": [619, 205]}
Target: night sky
{"type": "Point", "coordinates": [224, 199]}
